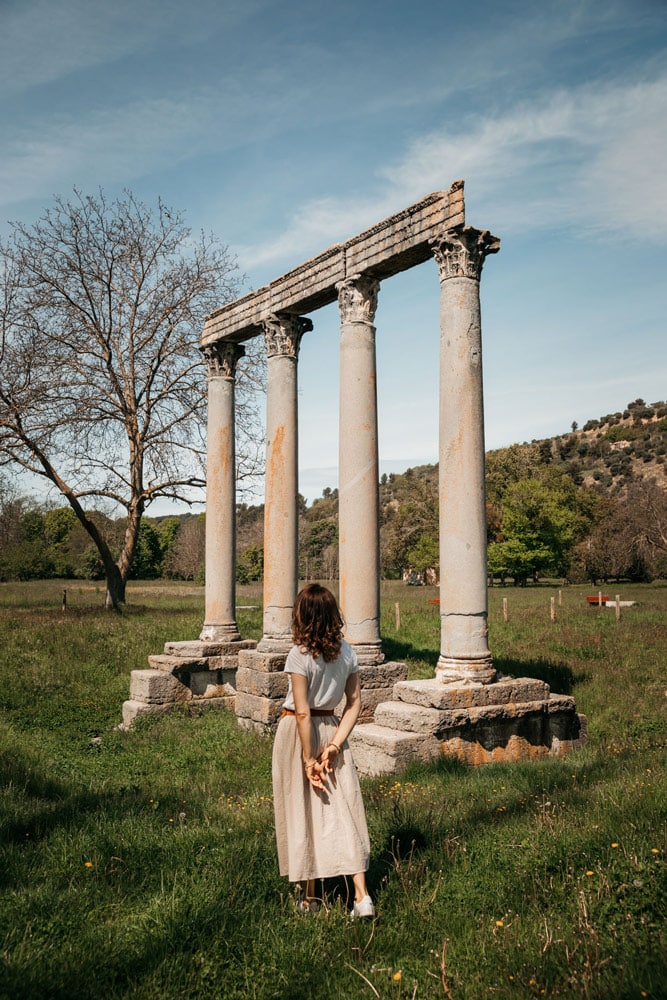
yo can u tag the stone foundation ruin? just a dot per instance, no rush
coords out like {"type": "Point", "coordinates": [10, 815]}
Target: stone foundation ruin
{"type": "Point", "coordinates": [466, 709]}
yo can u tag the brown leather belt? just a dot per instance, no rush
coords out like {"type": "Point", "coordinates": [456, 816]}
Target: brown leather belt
{"type": "Point", "coordinates": [313, 711]}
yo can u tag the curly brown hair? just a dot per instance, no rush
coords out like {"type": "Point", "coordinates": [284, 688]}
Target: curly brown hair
{"type": "Point", "coordinates": [317, 624]}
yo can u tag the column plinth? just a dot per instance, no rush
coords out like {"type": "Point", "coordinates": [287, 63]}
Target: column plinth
{"type": "Point", "coordinates": [358, 501]}
{"type": "Point", "coordinates": [282, 336]}
{"type": "Point", "coordinates": [220, 615]}
{"type": "Point", "coordinates": [464, 648]}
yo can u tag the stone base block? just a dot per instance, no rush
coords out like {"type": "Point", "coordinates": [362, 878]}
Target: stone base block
{"type": "Point", "coordinates": [433, 693]}
{"type": "Point", "coordinates": [133, 709]}
{"type": "Point", "coordinates": [263, 710]}
{"type": "Point", "coordinates": [257, 660]}
{"type": "Point", "coordinates": [201, 673]}
{"type": "Point", "coordinates": [378, 750]}
{"type": "Point", "coordinates": [382, 675]}
{"type": "Point", "coordinates": [261, 728]}
{"type": "Point", "coordinates": [196, 648]}
{"type": "Point", "coordinates": [370, 699]}
{"type": "Point", "coordinates": [511, 719]}
{"type": "Point", "coordinates": [213, 683]}
{"type": "Point", "coordinates": [262, 684]}
{"type": "Point", "coordinates": [178, 664]}
{"type": "Point", "coordinates": [409, 718]}
{"type": "Point", "coordinates": [156, 687]}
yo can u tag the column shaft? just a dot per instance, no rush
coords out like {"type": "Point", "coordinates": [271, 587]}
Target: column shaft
{"type": "Point", "coordinates": [464, 649]}
{"type": "Point", "coordinates": [358, 515]}
{"type": "Point", "coordinates": [281, 529]}
{"type": "Point", "coordinates": [220, 614]}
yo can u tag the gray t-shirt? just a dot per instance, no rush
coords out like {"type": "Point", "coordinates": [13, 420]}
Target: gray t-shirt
{"type": "Point", "coordinates": [326, 681]}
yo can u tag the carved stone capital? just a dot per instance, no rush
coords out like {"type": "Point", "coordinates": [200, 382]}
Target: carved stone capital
{"type": "Point", "coordinates": [358, 299]}
{"type": "Point", "coordinates": [221, 358]}
{"type": "Point", "coordinates": [283, 333]}
{"type": "Point", "coordinates": [460, 252]}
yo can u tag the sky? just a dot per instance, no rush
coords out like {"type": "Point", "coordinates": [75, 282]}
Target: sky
{"type": "Point", "coordinates": [284, 127]}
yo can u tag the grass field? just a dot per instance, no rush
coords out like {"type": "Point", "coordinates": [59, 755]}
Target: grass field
{"type": "Point", "coordinates": [142, 864]}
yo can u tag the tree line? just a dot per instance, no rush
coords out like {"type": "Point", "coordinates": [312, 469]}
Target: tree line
{"type": "Point", "coordinates": [540, 523]}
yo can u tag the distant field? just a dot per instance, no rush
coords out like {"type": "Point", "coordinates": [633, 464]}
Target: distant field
{"type": "Point", "coordinates": [142, 864]}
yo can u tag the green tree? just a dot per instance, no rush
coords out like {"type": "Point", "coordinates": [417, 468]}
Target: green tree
{"type": "Point", "coordinates": [542, 521]}
{"type": "Point", "coordinates": [147, 562]}
{"type": "Point", "coordinates": [250, 566]}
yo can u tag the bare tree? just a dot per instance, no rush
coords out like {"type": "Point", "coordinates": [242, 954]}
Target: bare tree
{"type": "Point", "coordinates": [102, 385]}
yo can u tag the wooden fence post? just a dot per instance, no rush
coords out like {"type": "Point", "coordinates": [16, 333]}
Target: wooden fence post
{"type": "Point", "coordinates": [553, 609]}
{"type": "Point", "coordinates": [505, 613]}
{"type": "Point", "coordinates": [398, 616]}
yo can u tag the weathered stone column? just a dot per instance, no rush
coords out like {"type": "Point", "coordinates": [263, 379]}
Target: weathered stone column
{"type": "Point", "coordinates": [282, 335]}
{"type": "Point", "coordinates": [464, 646]}
{"type": "Point", "coordinates": [358, 517]}
{"type": "Point", "coordinates": [220, 617]}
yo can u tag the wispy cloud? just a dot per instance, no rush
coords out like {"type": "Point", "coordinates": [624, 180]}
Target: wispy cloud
{"type": "Point", "coordinates": [591, 158]}
{"type": "Point", "coordinates": [42, 41]}
{"type": "Point", "coordinates": [106, 146]}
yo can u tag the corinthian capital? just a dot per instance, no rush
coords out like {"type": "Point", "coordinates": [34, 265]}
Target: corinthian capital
{"type": "Point", "coordinates": [221, 358]}
{"type": "Point", "coordinates": [358, 299]}
{"type": "Point", "coordinates": [283, 333]}
{"type": "Point", "coordinates": [460, 253]}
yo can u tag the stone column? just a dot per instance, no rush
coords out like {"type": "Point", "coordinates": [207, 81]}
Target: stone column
{"type": "Point", "coordinates": [282, 335]}
{"type": "Point", "coordinates": [464, 646]}
{"type": "Point", "coordinates": [220, 617]}
{"type": "Point", "coordinates": [358, 516]}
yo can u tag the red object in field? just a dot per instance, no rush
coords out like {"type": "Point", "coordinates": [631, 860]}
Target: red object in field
{"type": "Point", "coordinates": [598, 600]}
{"type": "Point", "coordinates": [434, 600]}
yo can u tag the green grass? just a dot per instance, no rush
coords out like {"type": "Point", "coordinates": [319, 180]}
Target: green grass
{"type": "Point", "coordinates": [142, 864]}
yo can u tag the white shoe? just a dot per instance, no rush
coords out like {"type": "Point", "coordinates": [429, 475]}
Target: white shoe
{"type": "Point", "coordinates": [364, 908]}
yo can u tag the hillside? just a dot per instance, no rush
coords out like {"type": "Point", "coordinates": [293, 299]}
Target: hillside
{"type": "Point", "coordinates": [614, 449]}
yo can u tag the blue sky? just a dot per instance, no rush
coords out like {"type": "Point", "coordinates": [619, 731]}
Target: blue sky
{"type": "Point", "coordinates": [284, 127]}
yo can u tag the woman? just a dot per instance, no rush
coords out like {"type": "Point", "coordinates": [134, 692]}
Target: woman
{"type": "Point", "coordinates": [320, 822]}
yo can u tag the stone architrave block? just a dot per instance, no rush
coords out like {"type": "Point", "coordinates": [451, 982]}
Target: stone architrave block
{"type": "Point", "coordinates": [261, 684]}
{"type": "Point", "coordinates": [156, 687]}
{"type": "Point", "coordinates": [391, 246]}
{"type": "Point", "coordinates": [264, 710]}
{"type": "Point", "coordinates": [267, 662]}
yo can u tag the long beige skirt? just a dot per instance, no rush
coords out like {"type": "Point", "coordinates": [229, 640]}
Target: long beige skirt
{"type": "Point", "coordinates": [319, 834]}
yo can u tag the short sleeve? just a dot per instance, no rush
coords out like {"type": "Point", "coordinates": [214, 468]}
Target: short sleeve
{"type": "Point", "coordinates": [353, 662]}
{"type": "Point", "coordinates": [296, 662]}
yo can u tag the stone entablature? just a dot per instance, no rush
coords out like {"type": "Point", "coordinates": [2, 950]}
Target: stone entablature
{"type": "Point", "coordinates": [387, 248]}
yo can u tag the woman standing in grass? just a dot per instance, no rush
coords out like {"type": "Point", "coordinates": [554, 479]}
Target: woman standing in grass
{"type": "Point", "coordinates": [320, 822]}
